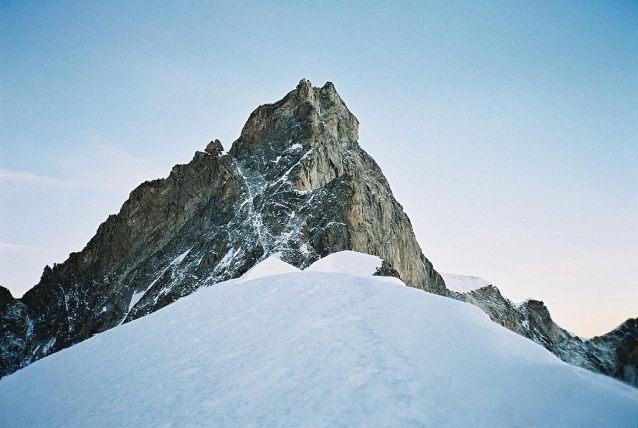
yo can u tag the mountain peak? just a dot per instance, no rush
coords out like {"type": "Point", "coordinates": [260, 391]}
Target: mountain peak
{"type": "Point", "coordinates": [295, 184]}
{"type": "Point", "coordinates": [306, 118]}
{"type": "Point", "coordinates": [329, 87]}
{"type": "Point", "coordinates": [304, 87]}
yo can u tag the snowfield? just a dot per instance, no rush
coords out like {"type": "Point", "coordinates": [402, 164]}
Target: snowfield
{"type": "Point", "coordinates": [347, 262]}
{"type": "Point", "coordinates": [321, 347]}
{"type": "Point", "coordinates": [269, 267]}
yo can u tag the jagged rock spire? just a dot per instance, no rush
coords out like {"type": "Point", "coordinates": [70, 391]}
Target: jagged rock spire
{"type": "Point", "coordinates": [295, 183]}
{"type": "Point", "coordinates": [306, 117]}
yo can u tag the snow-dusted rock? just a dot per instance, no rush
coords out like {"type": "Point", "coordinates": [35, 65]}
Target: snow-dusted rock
{"type": "Point", "coordinates": [614, 354]}
{"type": "Point", "coordinates": [463, 283]}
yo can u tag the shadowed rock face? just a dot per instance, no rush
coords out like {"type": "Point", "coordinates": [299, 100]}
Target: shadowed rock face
{"type": "Point", "coordinates": [616, 352]}
{"type": "Point", "coordinates": [295, 183]}
{"type": "Point", "coordinates": [15, 330]}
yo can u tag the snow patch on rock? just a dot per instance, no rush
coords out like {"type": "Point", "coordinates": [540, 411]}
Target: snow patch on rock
{"type": "Point", "coordinates": [463, 283]}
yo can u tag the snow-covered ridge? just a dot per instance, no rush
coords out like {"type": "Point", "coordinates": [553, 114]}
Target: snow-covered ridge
{"type": "Point", "coordinates": [347, 261]}
{"type": "Point", "coordinates": [532, 319]}
{"type": "Point", "coordinates": [463, 283]}
{"type": "Point", "coordinates": [350, 262]}
{"type": "Point", "coordinates": [269, 267]}
{"type": "Point", "coordinates": [314, 348]}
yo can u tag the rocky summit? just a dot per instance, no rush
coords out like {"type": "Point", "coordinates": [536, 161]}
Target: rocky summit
{"type": "Point", "coordinates": [296, 185]}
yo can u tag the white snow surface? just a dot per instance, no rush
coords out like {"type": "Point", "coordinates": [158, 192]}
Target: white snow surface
{"type": "Point", "coordinates": [347, 261]}
{"type": "Point", "coordinates": [139, 294]}
{"type": "Point", "coordinates": [315, 349]}
{"type": "Point", "coordinates": [269, 267]}
{"type": "Point", "coordinates": [136, 298]}
{"type": "Point", "coordinates": [463, 283]}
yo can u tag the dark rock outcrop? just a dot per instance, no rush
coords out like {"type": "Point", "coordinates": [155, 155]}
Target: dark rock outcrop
{"type": "Point", "coordinates": [616, 353]}
{"type": "Point", "coordinates": [15, 333]}
{"type": "Point", "coordinates": [386, 269]}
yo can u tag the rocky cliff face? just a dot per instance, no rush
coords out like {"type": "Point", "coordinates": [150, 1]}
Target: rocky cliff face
{"type": "Point", "coordinates": [616, 353]}
{"type": "Point", "coordinates": [296, 184]}
{"type": "Point", "coordinates": [15, 331]}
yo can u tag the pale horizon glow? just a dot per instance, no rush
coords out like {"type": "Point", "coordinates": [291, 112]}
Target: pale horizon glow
{"type": "Point", "coordinates": [508, 131]}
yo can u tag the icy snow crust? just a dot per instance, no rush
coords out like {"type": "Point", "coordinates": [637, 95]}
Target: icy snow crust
{"type": "Point", "coordinates": [463, 283]}
{"type": "Point", "coordinates": [312, 348]}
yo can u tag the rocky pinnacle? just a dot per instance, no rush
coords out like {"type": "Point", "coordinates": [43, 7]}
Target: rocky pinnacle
{"type": "Point", "coordinates": [296, 183]}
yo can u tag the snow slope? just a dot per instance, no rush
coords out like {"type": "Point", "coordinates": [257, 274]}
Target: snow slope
{"type": "Point", "coordinates": [312, 349]}
{"type": "Point", "coordinates": [269, 267]}
{"type": "Point", "coordinates": [463, 283]}
{"type": "Point", "coordinates": [347, 262]}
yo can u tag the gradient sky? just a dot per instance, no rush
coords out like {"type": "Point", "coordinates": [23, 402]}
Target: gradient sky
{"type": "Point", "coordinates": [508, 130]}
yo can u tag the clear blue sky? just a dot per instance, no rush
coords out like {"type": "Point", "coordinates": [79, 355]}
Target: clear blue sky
{"type": "Point", "coordinates": [508, 130]}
